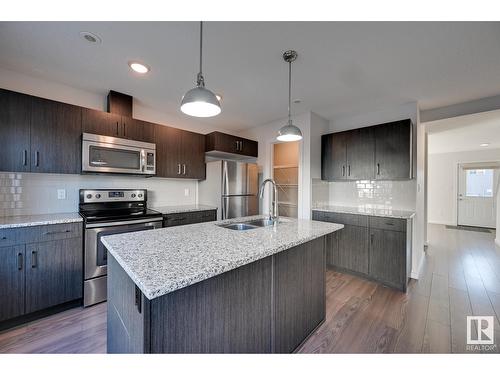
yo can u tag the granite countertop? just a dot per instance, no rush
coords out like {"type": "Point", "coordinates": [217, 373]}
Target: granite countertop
{"type": "Point", "coordinates": [34, 220]}
{"type": "Point", "coordinates": [163, 260]}
{"type": "Point", "coordinates": [183, 208]}
{"type": "Point", "coordinates": [367, 210]}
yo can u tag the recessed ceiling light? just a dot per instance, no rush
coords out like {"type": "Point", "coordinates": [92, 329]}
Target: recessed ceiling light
{"type": "Point", "coordinates": [138, 67]}
{"type": "Point", "coordinates": [91, 37]}
{"type": "Point", "coordinates": [484, 144]}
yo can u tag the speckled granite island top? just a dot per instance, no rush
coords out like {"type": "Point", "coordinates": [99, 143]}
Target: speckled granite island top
{"type": "Point", "coordinates": [34, 220]}
{"type": "Point", "coordinates": [367, 210]}
{"type": "Point", "coordinates": [163, 260]}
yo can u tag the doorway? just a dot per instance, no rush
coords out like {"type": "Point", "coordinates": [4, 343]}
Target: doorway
{"type": "Point", "coordinates": [476, 195]}
{"type": "Point", "coordinates": [286, 176]}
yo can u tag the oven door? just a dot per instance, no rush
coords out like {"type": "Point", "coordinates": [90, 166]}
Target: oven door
{"type": "Point", "coordinates": [103, 157]}
{"type": "Point", "coordinates": [96, 257]}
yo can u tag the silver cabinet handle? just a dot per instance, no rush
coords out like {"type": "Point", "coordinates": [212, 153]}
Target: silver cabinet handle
{"type": "Point", "coordinates": [343, 170]}
{"type": "Point", "coordinates": [34, 259]}
{"type": "Point", "coordinates": [25, 157]}
{"type": "Point", "coordinates": [372, 236]}
{"type": "Point", "coordinates": [237, 146]}
{"type": "Point", "coordinates": [378, 169]}
{"type": "Point", "coordinates": [37, 159]}
{"type": "Point", "coordinates": [57, 232]}
{"type": "Point", "coordinates": [178, 169]}
{"type": "Point", "coordinates": [348, 170]}
{"type": "Point", "coordinates": [183, 168]}
{"type": "Point", "coordinates": [124, 129]}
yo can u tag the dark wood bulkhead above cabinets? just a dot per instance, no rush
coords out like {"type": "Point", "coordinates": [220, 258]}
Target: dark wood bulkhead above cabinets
{"type": "Point", "coordinates": [380, 152]}
{"type": "Point", "coordinates": [218, 142]}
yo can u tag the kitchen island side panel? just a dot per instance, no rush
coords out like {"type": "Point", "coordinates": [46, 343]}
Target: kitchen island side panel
{"type": "Point", "coordinates": [229, 313]}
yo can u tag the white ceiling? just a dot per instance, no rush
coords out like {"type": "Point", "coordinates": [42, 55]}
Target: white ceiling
{"type": "Point", "coordinates": [464, 133]}
{"type": "Point", "coordinates": [343, 67]}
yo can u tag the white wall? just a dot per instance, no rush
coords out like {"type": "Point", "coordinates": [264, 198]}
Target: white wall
{"type": "Point", "coordinates": [37, 193]}
{"type": "Point", "coordinates": [443, 185]}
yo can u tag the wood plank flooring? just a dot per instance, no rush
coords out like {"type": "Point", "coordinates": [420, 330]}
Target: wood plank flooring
{"type": "Point", "coordinates": [461, 276]}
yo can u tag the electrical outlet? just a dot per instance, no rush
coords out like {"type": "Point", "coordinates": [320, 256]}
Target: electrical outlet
{"type": "Point", "coordinates": [61, 193]}
{"type": "Point", "coordinates": [186, 192]}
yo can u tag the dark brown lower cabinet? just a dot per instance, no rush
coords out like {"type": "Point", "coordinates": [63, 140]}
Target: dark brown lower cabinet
{"type": "Point", "coordinates": [53, 273]}
{"type": "Point", "coordinates": [184, 218]}
{"type": "Point", "coordinates": [40, 268]}
{"type": "Point", "coordinates": [387, 256]}
{"type": "Point", "coordinates": [353, 248]}
{"type": "Point", "coordinates": [378, 248]}
{"type": "Point", "coordinates": [11, 282]}
{"type": "Point", "coordinates": [269, 306]}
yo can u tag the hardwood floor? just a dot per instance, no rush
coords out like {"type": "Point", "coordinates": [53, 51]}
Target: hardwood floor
{"type": "Point", "coordinates": [461, 276]}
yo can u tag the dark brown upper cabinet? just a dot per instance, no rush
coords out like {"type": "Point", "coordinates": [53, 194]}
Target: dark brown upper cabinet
{"type": "Point", "coordinates": [138, 130]}
{"type": "Point", "coordinates": [221, 142]}
{"type": "Point", "coordinates": [101, 123]}
{"type": "Point", "coordinates": [382, 152]}
{"type": "Point", "coordinates": [56, 131]}
{"type": "Point", "coordinates": [113, 125]}
{"type": "Point", "coordinates": [15, 119]}
{"type": "Point", "coordinates": [179, 153]}
{"type": "Point", "coordinates": [394, 150]}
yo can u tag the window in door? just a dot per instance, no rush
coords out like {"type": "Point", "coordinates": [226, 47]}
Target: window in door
{"type": "Point", "coordinates": [479, 183]}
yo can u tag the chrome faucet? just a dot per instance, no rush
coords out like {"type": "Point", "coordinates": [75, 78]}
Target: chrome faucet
{"type": "Point", "coordinates": [273, 212]}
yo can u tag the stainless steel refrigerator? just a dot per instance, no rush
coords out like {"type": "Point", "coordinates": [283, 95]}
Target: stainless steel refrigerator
{"type": "Point", "coordinates": [232, 186]}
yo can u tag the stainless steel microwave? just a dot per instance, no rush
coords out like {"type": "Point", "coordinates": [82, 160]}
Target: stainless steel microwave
{"type": "Point", "coordinates": [102, 154]}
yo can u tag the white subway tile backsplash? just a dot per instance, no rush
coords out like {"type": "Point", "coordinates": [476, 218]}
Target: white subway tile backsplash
{"type": "Point", "coordinates": [380, 194]}
{"type": "Point", "coordinates": [35, 193]}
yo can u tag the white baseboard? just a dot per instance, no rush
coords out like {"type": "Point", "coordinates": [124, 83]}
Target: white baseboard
{"type": "Point", "coordinates": [416, 275]}
{"type": "Point", "coordinates": [440, 222]}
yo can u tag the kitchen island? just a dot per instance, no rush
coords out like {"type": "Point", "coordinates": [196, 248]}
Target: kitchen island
{"type": "Point", "coordinates": [204, 288]}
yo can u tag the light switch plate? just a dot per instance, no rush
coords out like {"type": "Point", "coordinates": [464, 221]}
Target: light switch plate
{"type": "Point", "coordinates": [186, 192]}
{"type": "Point", "coordinates": [61, 193]}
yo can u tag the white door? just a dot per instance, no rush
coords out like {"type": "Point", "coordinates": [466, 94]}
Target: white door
{"type": "Point", "coordinates": [476, 197]}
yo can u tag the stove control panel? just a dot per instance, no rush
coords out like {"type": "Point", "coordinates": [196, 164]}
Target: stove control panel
{"type": "Point", "coordinates": [102, 195]}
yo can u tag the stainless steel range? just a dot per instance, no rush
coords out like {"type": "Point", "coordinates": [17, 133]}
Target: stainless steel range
{"type": "Point", "coordinates": [107, 212]}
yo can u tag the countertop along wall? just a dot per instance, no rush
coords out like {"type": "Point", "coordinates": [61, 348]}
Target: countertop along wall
{"type": "Point", "coordinates": [36, 193]}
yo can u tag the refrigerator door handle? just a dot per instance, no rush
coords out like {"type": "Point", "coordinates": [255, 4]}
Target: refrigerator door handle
{"type": "Point", "coordinates": [225, 179]}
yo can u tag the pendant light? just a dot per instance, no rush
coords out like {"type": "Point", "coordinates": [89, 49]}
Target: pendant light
{"type": "Point", "coordinates": [289, 132]}
{"type": "Point", "coordinates": [199, 101]}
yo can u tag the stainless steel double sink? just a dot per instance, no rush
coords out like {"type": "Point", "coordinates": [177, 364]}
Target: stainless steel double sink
{"type": "Point", "coordinates": [246, 225]}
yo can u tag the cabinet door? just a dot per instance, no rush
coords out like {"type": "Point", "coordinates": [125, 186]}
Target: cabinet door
{"type": "Point", "coordinates": [56, 137]}
{"type": "Point", "coordinates": [388, 256]}
{"type": "Point", "coordinates": [393, 150]}
{"type": "Point", "coordinates": [353, 248]}
{"type": "Point", "coordinates": [193, 155]}
{"type": "Point", "coordinates": [168, 151]}
{"type": "Point", "coordinates": [53, 273]}
{"type": "Point", "coordinates": [332, 249]}
{"type": "Point", "coordinates": [137, 130]}
{"type": "Point", "coordinates": [11, 282]}
{"type": "Point", "coordinates": [249, 147]}
{"type": "Point", "coordinates": [101, 123]}
{"type": "Point", "coordinates": [15, 116]}
{"type": "Point", "coordinates": [333, 156]}
{"type": "Point", "coordinates": [360, 153]}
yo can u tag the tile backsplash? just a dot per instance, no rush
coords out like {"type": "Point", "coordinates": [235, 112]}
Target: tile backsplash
{"type": "Point", "coordinates": [34, 193]}
{"type": "Point", "coordinates": [380, 194]}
